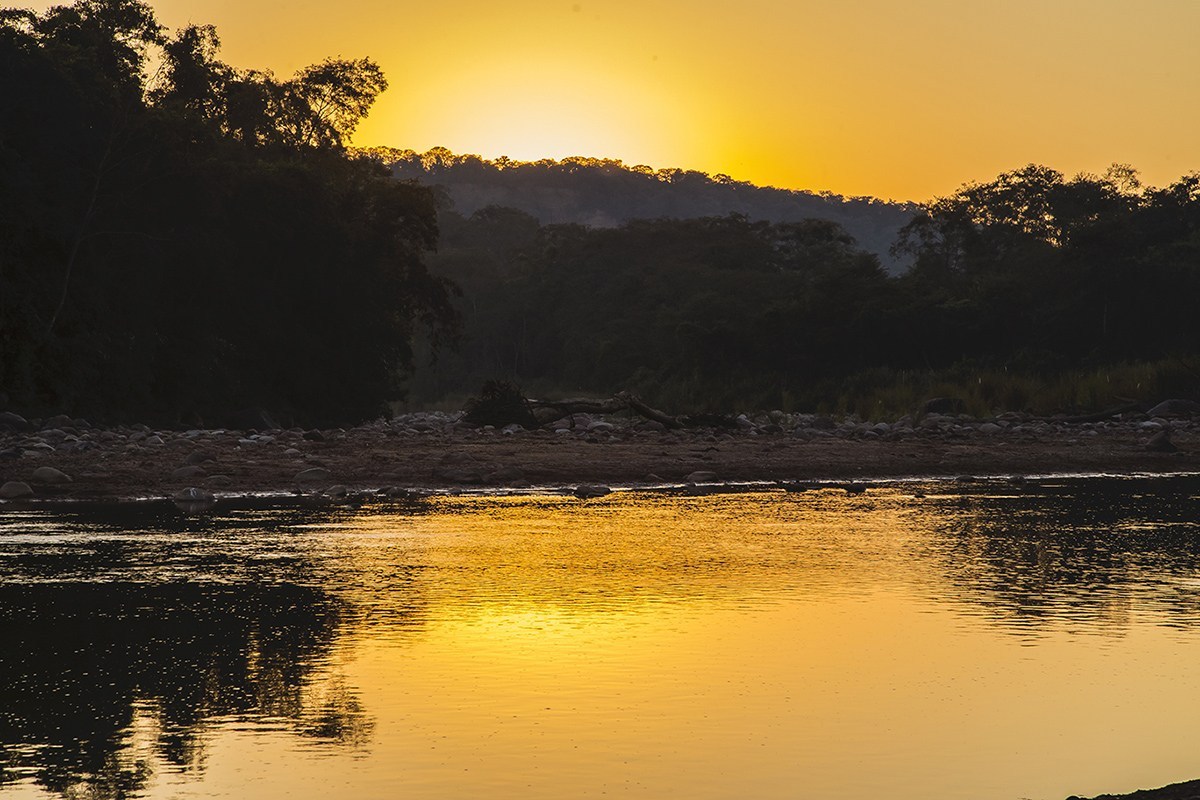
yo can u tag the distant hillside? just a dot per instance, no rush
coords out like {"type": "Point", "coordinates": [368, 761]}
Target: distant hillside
{"type": "Point", "coordinates": [606, 193]}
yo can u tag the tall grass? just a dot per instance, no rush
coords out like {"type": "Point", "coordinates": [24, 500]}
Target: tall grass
{"type": "Point", "coordinates": [883, 393]}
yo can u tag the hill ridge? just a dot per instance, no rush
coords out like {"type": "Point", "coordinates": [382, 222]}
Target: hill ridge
{"type": "Point", "coordinates": [605, 193]}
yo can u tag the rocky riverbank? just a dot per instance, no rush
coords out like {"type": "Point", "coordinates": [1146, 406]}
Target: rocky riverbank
{"type": "Point", "coordinates": [64, 459]}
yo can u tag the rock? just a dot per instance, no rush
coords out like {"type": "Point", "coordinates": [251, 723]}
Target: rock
{"type": "Point", "coordinates": [312, 474]}
{"type": "Point", "coordinates": [990, 428]}
{"type": "Point", "coordinates": [14, 422]}
{"type": "Point", "coordinates": [199, 457]}
{"type": "Point", "coordinates": [58, 421]}
{"type": "Point", "coordinates": [585, 491]}
{"type": "Point", "coordinates": [194, 500]}
{"type": "Point", "coordinates": [11, 453]}
{"type": "Point", "coordinates": [943, 405]}
{"type": "Point", "coordinates": [192, 493]}
{"type": "Point", "coordinates": [193, 471]}
{"type": "Point", "coordinates": [798, 487]}
{"type": "Point", "coordinates": [314, 436]}
{"type": "Point", "coordinates": [701, 476]}
{"type": "Point", "coordinates": [1175, 408]}
{"type": "Point", "coordinates": [1161, 443]}
{"type": "Point", "coordinates": [221, 481]}
{"type": "Point", "coordinates": [154, 440]}
{"type": "Point", "coordinates": [50, 475]}
{"type": "Point", "coordinates": [337, 491]}
{"type": "Point", "coordinates": [15, 489]}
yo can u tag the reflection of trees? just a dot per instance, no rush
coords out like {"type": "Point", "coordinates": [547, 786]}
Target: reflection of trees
{"type": "Point", "coordinates": [1087, 551]}
{"type": "Point", "coordinates": [89, 669]}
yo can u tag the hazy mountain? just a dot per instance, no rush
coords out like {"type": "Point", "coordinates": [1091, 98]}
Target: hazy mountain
{"type": "Point", "coordinates": [606, 193]}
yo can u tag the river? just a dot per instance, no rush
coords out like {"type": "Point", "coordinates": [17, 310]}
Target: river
{"type": "Point", "coordinates": [987, 640]}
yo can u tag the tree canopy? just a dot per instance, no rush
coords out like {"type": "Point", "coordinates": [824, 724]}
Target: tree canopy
{"type": "Point", "coordinates": [1031, 275]}
{"type": "Point", "coordinates": [183, 244]}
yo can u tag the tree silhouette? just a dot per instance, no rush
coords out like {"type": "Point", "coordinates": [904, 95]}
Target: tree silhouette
{"type": "Point", "coordinates": [181, 246]}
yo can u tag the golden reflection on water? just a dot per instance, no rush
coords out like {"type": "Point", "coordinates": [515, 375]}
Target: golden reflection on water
{"type": "Point", "coordinates": [769, 645]}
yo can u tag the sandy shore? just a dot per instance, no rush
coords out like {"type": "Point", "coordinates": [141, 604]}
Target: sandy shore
{"type": "Point", "coordinates": [436, 451]}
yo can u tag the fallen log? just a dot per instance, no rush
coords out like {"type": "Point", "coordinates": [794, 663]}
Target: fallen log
{"type": "Point", "coordinates": [636, 404]}
{"type": "Point", "coordinates": [548, 411]}
{"type": "Point", "coordinates": [1099, 416]}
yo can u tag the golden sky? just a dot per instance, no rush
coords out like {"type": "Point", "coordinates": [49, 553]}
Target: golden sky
{"type": "Point", "coordinates": [902, 100]}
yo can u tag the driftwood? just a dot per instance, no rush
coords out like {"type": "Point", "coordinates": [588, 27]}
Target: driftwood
{"type": "Point", "coordinates": [548, 411]}
{"type": "Point", "coordinates": [1100, 416]}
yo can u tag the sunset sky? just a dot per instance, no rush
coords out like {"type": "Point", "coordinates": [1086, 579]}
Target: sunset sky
{"type": "Point", "coordinates": [902, 100]}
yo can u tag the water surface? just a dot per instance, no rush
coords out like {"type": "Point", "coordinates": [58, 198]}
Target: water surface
{"type": "Point", "coordinates": [914, 641]}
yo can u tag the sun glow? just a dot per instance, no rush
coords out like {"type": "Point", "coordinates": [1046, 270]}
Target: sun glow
{"type": "Point", "coordinates": [896, 100]}
{"type": "Point", "coordinates": [531, 110]}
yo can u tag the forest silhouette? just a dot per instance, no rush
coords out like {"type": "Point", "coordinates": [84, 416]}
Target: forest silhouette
{"type": "Point", "coordinates": [181, 243]}
{"type": "Point", "coordinates": [1030, 292]}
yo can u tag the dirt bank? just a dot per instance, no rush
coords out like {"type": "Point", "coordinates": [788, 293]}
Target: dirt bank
{"type": "Point", "coordinates": [437, 451]}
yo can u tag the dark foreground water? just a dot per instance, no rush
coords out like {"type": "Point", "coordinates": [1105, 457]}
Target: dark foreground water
{"type": "Point", "coordinates": [923, 641]}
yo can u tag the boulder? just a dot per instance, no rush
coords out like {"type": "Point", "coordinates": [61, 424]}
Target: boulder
{"type": "Point", "coordinates": [1175, 408]}
{"type": "Point", "coordinates": [586, 491]}
{"type": "Point", "coordinates": [1161, 443]}
{"type": "Point", "coordinates": [58, 421]}
{"type": "Point", "coordinates": [194, 500]}
{"type": "Point", "coordinates": [943, 405]}
{"type": "Point", "coordinates": [14, 422]}
{"type": "Point", "coordinates": [193, 494]}
{"type": "Point", "coordinates": [701, 476]}
{"type": "Point", "coordinates": [50, 475]}
{"type": "Point", "coordinates": [15, 489]}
